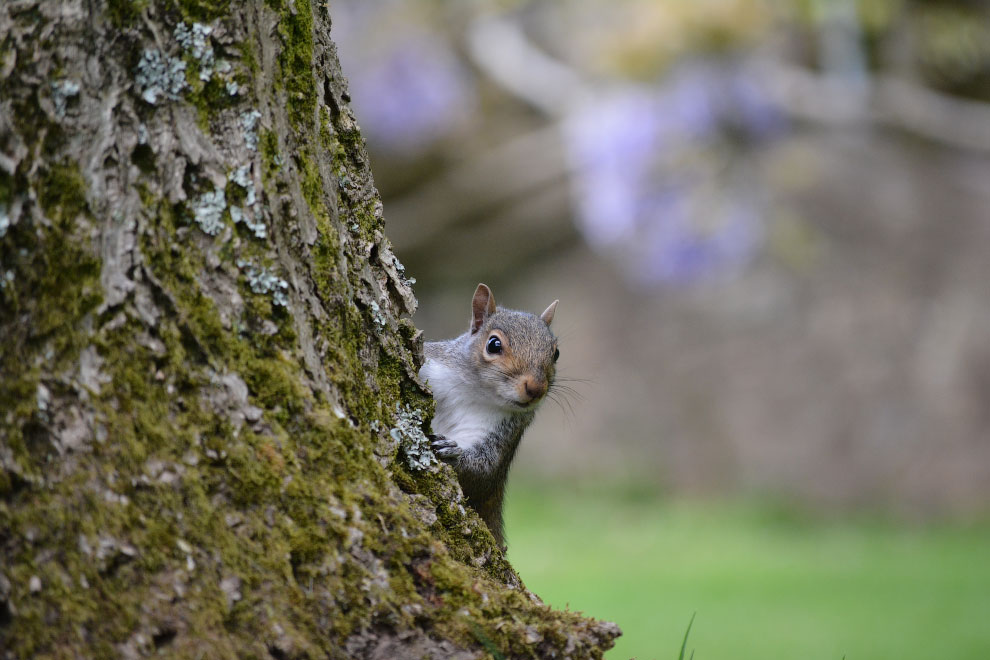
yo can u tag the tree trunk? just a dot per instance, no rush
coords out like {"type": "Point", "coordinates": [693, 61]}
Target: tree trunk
{"type": "Point", "coordinates": [210, 423]}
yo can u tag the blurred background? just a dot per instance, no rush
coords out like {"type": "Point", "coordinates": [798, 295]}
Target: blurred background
{"type": "Point", "coordinates": [768, 224]}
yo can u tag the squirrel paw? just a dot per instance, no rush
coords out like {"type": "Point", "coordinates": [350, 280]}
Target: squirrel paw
{"type": "Point", "coordinates": [444, 448]}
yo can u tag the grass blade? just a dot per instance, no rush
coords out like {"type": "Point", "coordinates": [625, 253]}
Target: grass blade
{"type": "Point", "coordinates": [686, 633]}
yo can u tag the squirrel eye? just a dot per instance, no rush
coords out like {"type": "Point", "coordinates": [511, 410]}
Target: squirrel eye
{"type": "Point", "coordinates": [494, 345]}
{"type": "Point", "coordinates": [556, 354]}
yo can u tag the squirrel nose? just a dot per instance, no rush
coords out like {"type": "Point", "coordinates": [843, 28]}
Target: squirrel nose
{"type": "Point", "coordinates": [534, 388]}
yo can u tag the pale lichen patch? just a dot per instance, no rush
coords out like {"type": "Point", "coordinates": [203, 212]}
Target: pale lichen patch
{"type": "Point", "coordinates": [196, 40]}
{"type": "Point", "coordinates": [62, 91]}
{"type": "Point", "coordinates": [5, 220]}
{"type": "Point", "coordinates": [160, 75]}
{"type": "Point", "coordinates": [208, 211]}
{"type": "Point", "coordinates": [376, 314]}
{"type": "Point", "coordinates": [249, 128]}
{"type": "Point", "coordinates": [261, 280]}
{"type": "Point", "coordinates": [408, 432]}
{"type": "Point", "coordinates": [250, 215]}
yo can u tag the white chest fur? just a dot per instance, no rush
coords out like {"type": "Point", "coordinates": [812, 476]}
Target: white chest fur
{"type": "Point", "coordinates": [463, 415]}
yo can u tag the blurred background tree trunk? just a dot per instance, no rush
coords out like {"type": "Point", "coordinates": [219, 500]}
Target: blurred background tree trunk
{"type": "Point", "coordinates": [210, 424]}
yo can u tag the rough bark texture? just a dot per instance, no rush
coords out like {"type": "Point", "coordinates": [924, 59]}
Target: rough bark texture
{"type": "Point", "coordinates": [210, 424]}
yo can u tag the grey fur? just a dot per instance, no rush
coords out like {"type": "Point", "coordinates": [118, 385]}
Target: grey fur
{"type": "Point", "coordinates": [484, 469]}
{"type": "Point", "coordinates": [467, 378]}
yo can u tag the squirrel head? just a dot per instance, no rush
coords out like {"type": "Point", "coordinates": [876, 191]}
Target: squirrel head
{"type": "Point", "coordinates": [514, 353]}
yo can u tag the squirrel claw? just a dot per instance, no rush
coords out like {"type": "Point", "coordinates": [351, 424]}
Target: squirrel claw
{"type": "Point", "coordinates": [444, 448]}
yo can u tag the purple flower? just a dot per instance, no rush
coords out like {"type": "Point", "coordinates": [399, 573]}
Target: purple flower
{"type": "Point", "coordinates": [645, 188]}
{"type": "Point", "coordinates": [412, 94]}
{"type": "Point", "coordinates": [408, 87]}
{"type": "Point", "coordinates": [611, 144]}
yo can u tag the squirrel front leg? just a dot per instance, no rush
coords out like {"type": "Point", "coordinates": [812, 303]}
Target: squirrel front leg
{"type": "Point", "coordinates": [445, 449]}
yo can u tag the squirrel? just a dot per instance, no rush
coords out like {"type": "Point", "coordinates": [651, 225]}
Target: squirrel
{"type": "Point", "coordinates": [487, 384]}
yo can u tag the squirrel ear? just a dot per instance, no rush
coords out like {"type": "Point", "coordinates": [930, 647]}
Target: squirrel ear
{"type": "Point", "coordinates": [482, 306]}
{"type": "Point", "coordinates": [547, 314]}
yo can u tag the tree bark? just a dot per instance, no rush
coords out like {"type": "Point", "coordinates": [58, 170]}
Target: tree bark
{"type": "Point", "coordinates": [211, 429]}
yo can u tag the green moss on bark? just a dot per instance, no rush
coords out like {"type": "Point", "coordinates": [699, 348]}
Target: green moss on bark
{"type": "Point", "coordinates": [208, 97]}
{"type": "Point", "coordinates": [124, 13]}
{"type": "Point", "coordinates": [51, 287]}
{"type": "Point", "coordinates": [203, 11]}
{"type": "Point", "coordinates": [46, 309]}
{"type": "Point", "coordinates": [296, 59]}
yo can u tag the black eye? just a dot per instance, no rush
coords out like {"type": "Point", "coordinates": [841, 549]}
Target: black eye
{"type": "Point", "coordinates": [494, 345]}
{"type": "Point", "coordinates": [556, 354]}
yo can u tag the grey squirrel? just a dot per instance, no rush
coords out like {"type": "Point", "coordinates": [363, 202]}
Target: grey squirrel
{"type": "Point", "coordinates": [487, 384]}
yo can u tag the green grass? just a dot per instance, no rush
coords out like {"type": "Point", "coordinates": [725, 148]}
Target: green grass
{"type": "Point", "coordinates": [764, 583]}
